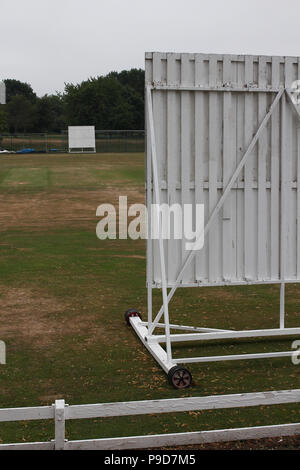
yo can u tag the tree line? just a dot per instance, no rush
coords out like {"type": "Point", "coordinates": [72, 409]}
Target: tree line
{"type": "Point", "coordinates": [114, 101]}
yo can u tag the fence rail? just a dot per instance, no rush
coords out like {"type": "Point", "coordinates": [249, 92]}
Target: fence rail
{"type": "Point", "coordinates": [60, 412]}
{"type": "Point", "coordinates": [108, 141]}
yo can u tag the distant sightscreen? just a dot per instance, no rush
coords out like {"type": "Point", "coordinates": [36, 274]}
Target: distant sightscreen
{"type": "Point", "coordinates": [82, 138]}
{"type": "Point", "coordinates": [2, 93]}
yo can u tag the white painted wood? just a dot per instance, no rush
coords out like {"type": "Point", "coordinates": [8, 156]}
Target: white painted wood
{"type": "Point", "coordinates": [201, 156]}
{"type": "Point", "coordinates": [213, 117]}
{"type": "Point", "coordinates": [187, 100]}
{"type": "Point", "coordinates": [26, 414]}
{"type": "Point", "coordinates": [61, 412]}
{"type": "Point", "coordinates": [230, 283]}
{"type": "Point", "coordinates": [59, 424]}
{"type": "Point", "coordinates": [202, 91]}
{"type": "Point", "coordinates": [262, 253]}
{"type": "Point", "coordinates": [202, 437]}
{"type": "Point", "coordinates": [224, 88]}
{"type": "Point", "coordinates": [229, 163]}
{"type": "Point", "coordinates": [249, 199]}
{"type": "Point", "coordinates": [173, 157]}
{"type": "Point", "coordinates": [289, 197]}
{"type": "Point", "coordinates": [28, 446]}
{"type": "Point", "coordinates": [173, 405]}
{"type": "Point", "coordinates": [275, 178]}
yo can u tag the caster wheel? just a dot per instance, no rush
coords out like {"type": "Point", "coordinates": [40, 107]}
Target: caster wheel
{"type": "Point", "coordinates": [131, 313]}
{"type": "Point", "coordinates": [179, 377]}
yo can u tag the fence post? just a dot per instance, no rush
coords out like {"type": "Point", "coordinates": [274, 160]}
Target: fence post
{"type": "Point", "coordinates": [59, 417]}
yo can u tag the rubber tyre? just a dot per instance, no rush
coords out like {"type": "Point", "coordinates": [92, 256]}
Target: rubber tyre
{"type": "Point", "coordinates": [131, 313]}
{"type": "Point", "coordinates": [179, 377]}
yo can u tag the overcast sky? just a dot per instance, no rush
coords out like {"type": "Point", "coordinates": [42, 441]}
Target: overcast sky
{"type": "Point", "coordinates": [49, 42]}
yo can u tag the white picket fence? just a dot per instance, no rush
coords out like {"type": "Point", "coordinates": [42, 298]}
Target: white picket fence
{"type": "Point", "coordinates": [60, 412]}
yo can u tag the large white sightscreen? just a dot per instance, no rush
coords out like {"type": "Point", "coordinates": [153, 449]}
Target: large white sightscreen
{"type": "Point", "coordinates": [201, 136]}
{"type": "Point", "coordinates": [82, 138]}
{"type": "Point", "coordinates": [2, 93]}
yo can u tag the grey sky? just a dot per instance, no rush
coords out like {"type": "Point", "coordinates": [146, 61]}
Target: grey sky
{"type": "Point", "coordinates": [49, 42]}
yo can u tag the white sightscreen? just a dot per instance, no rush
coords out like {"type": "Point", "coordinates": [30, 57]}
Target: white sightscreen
{"type": "Point", "coordinates": [82, 137]}
{"type": "Point", "coordinates": [2, 93]}
{"type": "Point", "coordinates": [201, 136]}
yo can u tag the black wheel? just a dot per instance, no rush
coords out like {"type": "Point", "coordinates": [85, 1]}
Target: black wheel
{"type": "Point", "coordinates": [131, 313]}
{"type": "Point", "coordinates": [180, 377]}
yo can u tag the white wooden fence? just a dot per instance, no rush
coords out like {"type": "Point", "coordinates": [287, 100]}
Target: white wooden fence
{"type": "Point", "coordinates": [60, 412]}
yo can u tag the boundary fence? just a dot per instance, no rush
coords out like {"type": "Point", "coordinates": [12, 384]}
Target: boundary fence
{"type": "Point", "coordinates": [60, 412]}
{"type": "Point", "coordinates": [108, 141]}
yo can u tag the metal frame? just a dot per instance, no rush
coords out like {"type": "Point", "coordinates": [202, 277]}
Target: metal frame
{"type": "Point", "coordinates": [145, 330]}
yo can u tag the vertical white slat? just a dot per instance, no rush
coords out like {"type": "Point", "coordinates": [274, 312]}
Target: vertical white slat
{"type": "Point", "coordinates": [187, 124]}
{"type": "Point", "coordinates": [275, 176]}
{"type": "Point", "coordinates": [290, 264]}
{"type": "Point", "coordinates": [262, 154]}
{"type": "Point", "coordinates": [148, 80]}
{"type": "Point", "coordinates": [293, 177]}
{"type": "Point", "coordinates": [240, 150]}
{"type": "Point", "coordinates": [249, 201]}
{"type": "Point", "coordinates": [173, 159]}
{"type": "Point", "coordinates": [200, 152]}
{"type": "Point", "coordinates": [213, 168]}
{"type": "Point", "coordinates": [229, 163]}
{"type": "Point", "coordinates": [159, 112]}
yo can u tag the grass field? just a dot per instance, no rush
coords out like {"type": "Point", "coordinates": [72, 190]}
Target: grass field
{"type": "Point", "coordinates": [63, 293]}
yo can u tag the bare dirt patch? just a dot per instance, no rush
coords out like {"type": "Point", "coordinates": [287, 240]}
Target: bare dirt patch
{"type": "Point", "coordinates": [58, 209]}
{"type": "Point", "coordinates": [25, 313]}
{"type": "Point", "coordinates": [32, 316]}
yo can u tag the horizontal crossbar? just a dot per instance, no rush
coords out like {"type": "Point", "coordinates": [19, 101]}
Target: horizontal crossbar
{"type": "Point", "coordinates": [234, 357]}
{"type": "Point", "coordinates": [235, 89]}
{"type": "Point", "coordinates": [185, 328]}
{"type": "Point", "coordinates": [175, 338]}
{"type": "Point", "coordinates": [189, 438]}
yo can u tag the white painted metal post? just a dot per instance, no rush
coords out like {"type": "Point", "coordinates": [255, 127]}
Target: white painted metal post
{"type": "Point", "coordinates": [161, 247]}
{"type": "Point", "coordinates": [282, 305]}
{"type": "Point", "coordinates": [149, 225]}
{"type": "Point", "coordinates": [59, 424]}
{"type": "Point", "coordinates": [283, 224]}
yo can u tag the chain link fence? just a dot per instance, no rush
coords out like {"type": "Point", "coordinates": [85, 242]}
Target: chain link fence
{"type": "Point", "coordinates": [106, 142]}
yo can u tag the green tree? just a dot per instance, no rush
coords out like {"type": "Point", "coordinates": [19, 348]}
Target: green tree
{"type": "Point", "coordinates": [133, 82]}
{"type": "Point", "coordinates": [49, 114]}
{"type": "Point", "coordinates": [3, 120]}
{"type": "Point", "coordinates": [102, 102]}
{"type": "Point", "coordinates": [15, 87]}
{"type": "Point", "coordinates": [20, 113]}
